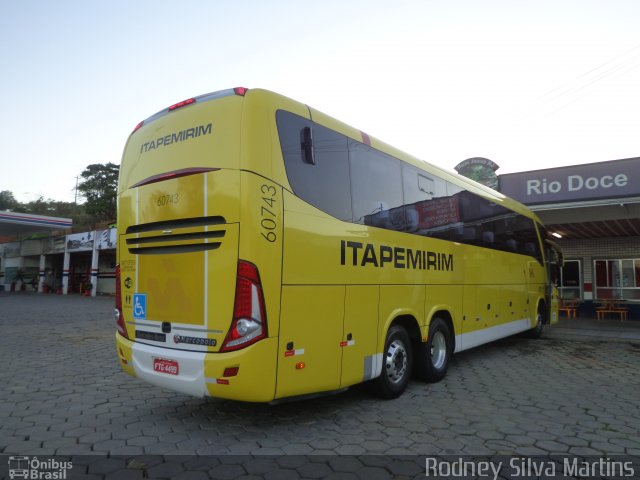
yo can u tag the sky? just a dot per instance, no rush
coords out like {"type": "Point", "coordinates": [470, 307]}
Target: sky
{"type": "Point", "coordinates": [527, 84]}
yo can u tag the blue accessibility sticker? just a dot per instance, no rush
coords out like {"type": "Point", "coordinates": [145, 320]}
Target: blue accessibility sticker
{"type": "Point", "coordinates": [140, 306]}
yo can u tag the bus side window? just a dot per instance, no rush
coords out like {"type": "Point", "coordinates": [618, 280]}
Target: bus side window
{"type": "Point", "coordinates": [428, 210]}
{"type": "Point", "coordinates": [317, 164]}
{"type": "Point", "coordinates": [530, 248]}
{"type": "Point", "coordinates": [427, 186]}
{"type": "Point", "coordinates": [376, 188]}
{"type": "Point", "coordinates": [488, 238]}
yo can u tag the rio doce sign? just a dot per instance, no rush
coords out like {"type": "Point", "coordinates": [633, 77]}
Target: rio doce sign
{"type": "Point", "coordinates": [619, 178]}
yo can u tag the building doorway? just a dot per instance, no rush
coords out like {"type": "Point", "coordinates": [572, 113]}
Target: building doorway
{"type": "Point", "coordinates": [571, 280]}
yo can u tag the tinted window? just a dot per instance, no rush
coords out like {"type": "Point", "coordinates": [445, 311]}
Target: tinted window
{"type": "Point", "coordinates": [324, 184]}
{"type": "Point", "coordinates": [376, 188]}
{"type": "Point", "coordinates": [490, 225]}
{"type": "Point", "coordinates": [356, 183]}
{"type": "Point", "coordinates": [429, 211]}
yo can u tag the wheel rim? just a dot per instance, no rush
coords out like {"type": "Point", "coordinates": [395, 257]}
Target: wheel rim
{"type": "Point", "coordinates": [396, 364]}
{"type": "Point", "coordinates": [438, 350]}
{"type": "Point", "coordinates": [539, 324]}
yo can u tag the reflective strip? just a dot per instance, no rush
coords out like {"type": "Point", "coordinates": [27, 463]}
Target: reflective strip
{"type": "Point", "coordinates": [485, 335]}
{"type": "Point", "coordinates": [372, 366]}
{"type": "Point", "coordinates": [217, 381]}
{"type": "Point", "coordinates": [293, 353]}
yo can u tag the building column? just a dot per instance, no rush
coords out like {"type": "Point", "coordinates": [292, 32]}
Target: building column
{"type": "Point", "coordinates": [41, 273]}
{"type": "Point", "coordinates": [94, 268]}
{"type": "Point", "coordinates": [65, 273]}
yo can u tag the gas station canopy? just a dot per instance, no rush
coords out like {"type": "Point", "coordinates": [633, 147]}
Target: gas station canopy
{"type": "Point", "coordinates": [12, 223]}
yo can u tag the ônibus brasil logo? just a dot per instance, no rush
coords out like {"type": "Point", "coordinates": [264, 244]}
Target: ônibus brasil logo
{"type": "Point", "coordinates": [32, 468]}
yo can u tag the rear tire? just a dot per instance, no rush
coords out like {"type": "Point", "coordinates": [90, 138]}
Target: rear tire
{"type": "Point", "coordinates": [397, 360]}
{"type": "Point", "coordinates": [432, 357]}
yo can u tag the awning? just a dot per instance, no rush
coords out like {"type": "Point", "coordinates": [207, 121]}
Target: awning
{"type": "Point", "coordinates": [609, 218]}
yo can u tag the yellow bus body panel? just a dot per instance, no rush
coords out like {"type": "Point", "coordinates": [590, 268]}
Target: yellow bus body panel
{"type": "Point", "coordinates": [187, 288]}
{"type": "Point", "coordinates": [555, 305]}
{"type": "Point", "coordinates": [360, 334]}
{"type": "Point", "coordinates": [256, 378]}
{"type": "Point", "coordinates": [309, 353]}
{"type": "Point", "coordinates": [153, 149]}
{"type": "Point", "coordinates": [261, 239]}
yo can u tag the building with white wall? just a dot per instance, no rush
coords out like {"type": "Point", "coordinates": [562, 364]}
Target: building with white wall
{"type": "Point", "coordinates": [63, 264]}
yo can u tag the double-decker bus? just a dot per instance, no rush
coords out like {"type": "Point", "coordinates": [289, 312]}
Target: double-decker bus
{"type": "Point", "coordinates": [268, 251]}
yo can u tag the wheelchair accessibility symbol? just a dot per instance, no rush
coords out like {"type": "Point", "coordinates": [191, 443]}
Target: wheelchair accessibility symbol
{"type": "Point", "coordinates": [140, 306]}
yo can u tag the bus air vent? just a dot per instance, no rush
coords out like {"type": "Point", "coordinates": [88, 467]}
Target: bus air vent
{"type": "Point", "coordinates": [168, 237]}
{"type": "Point", "coordinates": [169, 249]}
{"type": "Point", "coordinates": [178, 223]}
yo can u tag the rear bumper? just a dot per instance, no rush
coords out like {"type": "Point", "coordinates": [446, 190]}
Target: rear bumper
{"type": "Point", "coordinates": [201, 374]}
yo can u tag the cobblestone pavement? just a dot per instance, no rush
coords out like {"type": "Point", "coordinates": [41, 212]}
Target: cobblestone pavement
{"type": "Point", "coordinates": [63, 394]}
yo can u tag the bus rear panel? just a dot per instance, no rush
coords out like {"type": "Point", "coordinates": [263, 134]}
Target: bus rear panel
{"type": "Point", "coordinates": [191, 311]}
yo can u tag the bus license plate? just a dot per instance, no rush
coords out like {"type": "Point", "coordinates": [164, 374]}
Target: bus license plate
{"type": "Point", "coordinates": [163, 365]}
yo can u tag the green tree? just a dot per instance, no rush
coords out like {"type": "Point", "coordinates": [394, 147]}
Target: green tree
{"type": "Point", "coordinates": [8, 201]}
{"type": "Point", "coordinates": [99, 187]}
{"type": "Point", "coordinates": [40, 206]}
{"type": "Point", "coordinates": [65, 209]}
{"type": "Point", "coordinates": [50, 207]}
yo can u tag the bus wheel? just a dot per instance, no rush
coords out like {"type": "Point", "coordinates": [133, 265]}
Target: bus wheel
{"type": "Point", "coordinates": [432, 357]}
{"type": "Point", "coordinates": [536, 332]}
{"type": "Point", "coordinates": [396, 364]}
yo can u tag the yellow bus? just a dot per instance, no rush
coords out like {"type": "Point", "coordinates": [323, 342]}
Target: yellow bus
{"type": "Point", "coordinates": [267, 251]}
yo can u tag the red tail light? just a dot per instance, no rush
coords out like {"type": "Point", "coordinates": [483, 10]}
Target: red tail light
{"type": "Point", "coordinates": [241, 91]}
{"type": "Point", "coordinates": [249, 322]}
{"type": "Point", "coordinates": [117, 313]}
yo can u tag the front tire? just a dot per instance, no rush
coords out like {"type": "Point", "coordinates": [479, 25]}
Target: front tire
{"type": "Point", "coordinates": [432, 357]}
{"type": "Point", "coordinates": [537, 331]}
{"type": "Point", "coordinates": [397, 362]}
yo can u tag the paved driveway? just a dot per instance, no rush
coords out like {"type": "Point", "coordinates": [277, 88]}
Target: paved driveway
{"type": "Point", "coordinates": [63, 393]}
